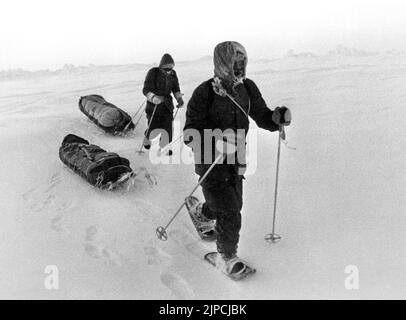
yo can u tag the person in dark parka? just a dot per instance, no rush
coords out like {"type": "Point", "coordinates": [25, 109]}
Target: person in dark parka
{"type": "Point", "coordinates": [159, 84]}
{"type": "Point", "coordinates": [212, 107]}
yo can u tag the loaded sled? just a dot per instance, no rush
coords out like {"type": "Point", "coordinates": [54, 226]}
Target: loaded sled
{"type": "Point", "coordinates": [105, 115]}
{"type": "Point", "coordinates": [105, 170]}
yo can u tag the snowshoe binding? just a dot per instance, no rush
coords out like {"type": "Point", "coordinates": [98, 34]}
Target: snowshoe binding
{"type": "Point", "coordinates": [233, 268]}
{"type": "Point", "coordinates": [204, 227]}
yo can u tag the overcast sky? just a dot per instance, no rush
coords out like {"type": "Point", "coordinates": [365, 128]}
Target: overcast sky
{"type": "Point", "coordinates": [49, 33]}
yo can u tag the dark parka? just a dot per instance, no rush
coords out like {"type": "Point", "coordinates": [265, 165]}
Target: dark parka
{"type": "Point", "coordinates": [223, 188]}
{"type": "Point", "coordinates": [162, 84]}
{"type": "Point", "coordinates": [207, 110]}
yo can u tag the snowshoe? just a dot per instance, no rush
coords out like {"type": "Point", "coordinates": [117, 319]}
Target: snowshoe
{"type": "Point", "coordinates": [204, 227]}
{"type": "Point", "coordinates": [233, 268]}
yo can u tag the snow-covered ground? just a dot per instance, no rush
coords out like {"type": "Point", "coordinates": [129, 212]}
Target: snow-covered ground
{"type": "Point", "coordinates": [341, 192]}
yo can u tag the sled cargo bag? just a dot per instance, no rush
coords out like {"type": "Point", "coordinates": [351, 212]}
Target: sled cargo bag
{"type": "Point", "coordinates": [105, 115]}
{"type": "Point", "coordinates": [99, 167]}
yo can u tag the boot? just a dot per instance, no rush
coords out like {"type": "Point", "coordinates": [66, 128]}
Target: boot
{"type": "Point", "coordinates": [205, 227]}
{"type": "Point", "coordinates": [231, 265]}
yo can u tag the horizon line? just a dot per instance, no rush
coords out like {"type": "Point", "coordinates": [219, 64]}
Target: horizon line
{"type": "Point", "coordinates": [289, 53]}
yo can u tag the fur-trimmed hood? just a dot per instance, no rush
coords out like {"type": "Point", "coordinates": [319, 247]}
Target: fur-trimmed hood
{"type": "Point", "coordinates": [225, 55]}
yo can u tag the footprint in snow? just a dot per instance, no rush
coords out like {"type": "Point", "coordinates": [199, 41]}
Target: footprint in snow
{"type": "Point", "coordinates": [93, 251]}
{"type": "Point", "coordinates": [97, 250]}
{"type": "Point", "coordinates": [150, 212]}
{"type": "Point", "coordinates": [55, 180]}
{"type": "Point", "coordinates": [44, 197]}
{"type": "Point", "coordinates": [38, 199]}
{"type": "Point", "coordinates": [57, 224]}
{"type": "Point", "coordinates": [91, 232]}
{"type": "Point", "coordinates": [156, 256]}
{"type": "Point", "coordinates": [179, 286]}
{"type": "Point", "coordinates": [192, 243]}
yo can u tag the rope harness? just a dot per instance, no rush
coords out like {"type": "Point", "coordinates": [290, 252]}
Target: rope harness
{"type": "Point", "coordinates": [99, 179]}
{"type": "Point", "coordinates": [132, 118]}
{"type": "Point", "coordinates": [223, 93]}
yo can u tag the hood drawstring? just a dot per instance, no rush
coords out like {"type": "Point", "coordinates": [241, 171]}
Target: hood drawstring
{"type": "Point", "coordinates": [219, 90]}
{"type": "Point", "coordinates": [239, 106]}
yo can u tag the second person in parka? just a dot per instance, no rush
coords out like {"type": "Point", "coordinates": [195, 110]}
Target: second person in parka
{"type": "Point", "coordinates": [159, 84]}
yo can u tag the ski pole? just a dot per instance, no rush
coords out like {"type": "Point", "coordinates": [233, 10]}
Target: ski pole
{"type": "Point", "coordinates": [139, 118]}
{"type": "Point", "coordinates": [138, 110]}
{"type": "Point", "coordinates": [170, 144]}
{"type": "Point", "coordinates": [161, 231]}
{"type": "Point", "coordinates": [146, 132]}
{"type": "Point", "coordinates": [177, 110]}
{"type": "Point", "coordinates": [273, 237]}
{"type": "Point", "coordinates": [163, 150]}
